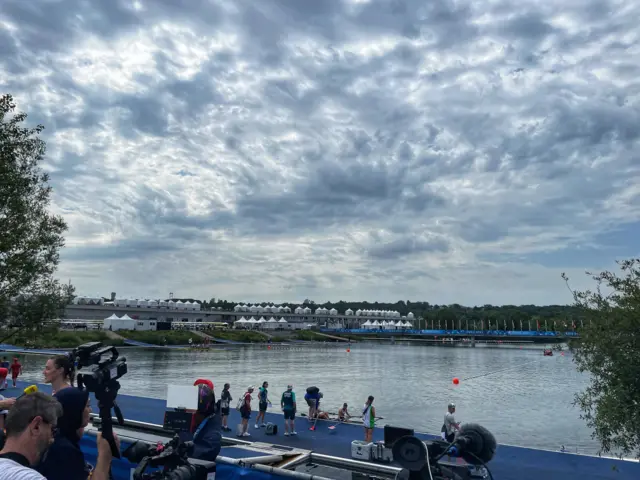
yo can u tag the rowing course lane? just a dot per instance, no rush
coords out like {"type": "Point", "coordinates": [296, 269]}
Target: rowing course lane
{"type": "Point", "coordinates": [510, 463]}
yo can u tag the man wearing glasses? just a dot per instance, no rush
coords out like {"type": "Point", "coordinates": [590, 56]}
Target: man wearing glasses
{"type": "Point", "coordinates": [30, 428]}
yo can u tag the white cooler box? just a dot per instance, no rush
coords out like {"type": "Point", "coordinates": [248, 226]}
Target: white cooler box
{"type": "Point", "coordinates": [361, 450]}
{"type": "Point", "coordinates": [380, 453]}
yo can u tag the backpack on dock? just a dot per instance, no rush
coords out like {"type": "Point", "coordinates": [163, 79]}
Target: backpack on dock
{"type": "Point", "coordinates": [271, 429]}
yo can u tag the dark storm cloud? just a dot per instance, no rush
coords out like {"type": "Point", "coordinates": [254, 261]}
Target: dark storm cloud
{"type": "Point", "coordinates": [405, 246]}
{"type": "Point", "coordinates": [278, 133]}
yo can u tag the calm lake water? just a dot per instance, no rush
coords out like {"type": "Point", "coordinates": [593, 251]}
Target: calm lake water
{"type": "Point", "coordinates": [527, 402]}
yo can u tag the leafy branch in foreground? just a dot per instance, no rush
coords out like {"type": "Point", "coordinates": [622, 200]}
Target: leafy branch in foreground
{"type": "Point", "coordinates": [31, 236]}
{"type": "Point", "coordinates": [609, 349]}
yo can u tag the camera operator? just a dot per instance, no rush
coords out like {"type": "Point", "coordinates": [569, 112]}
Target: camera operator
{"type": "Point", "coordinates": [207, 438]}
{"type": "Point", "coordinates": [66, 445]}
{"type": "Point", "coordinates": [30, 427]}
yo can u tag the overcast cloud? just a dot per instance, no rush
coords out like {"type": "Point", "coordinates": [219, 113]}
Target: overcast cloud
{"type": "Point", "coordinates": [447, 151]}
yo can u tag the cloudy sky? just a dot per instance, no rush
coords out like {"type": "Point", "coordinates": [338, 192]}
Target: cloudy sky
{"type": "Point", "coordinates": [447, 151]}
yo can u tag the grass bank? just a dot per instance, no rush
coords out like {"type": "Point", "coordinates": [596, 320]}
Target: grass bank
{"type": "Point", "coordinates": [173, 337]}
{"type": "Point", "coordinates": [312, 336]}
{"type": "Point", "coordinates": [244, 336]}
{"type": "Point", "coordinates": [61, 339]}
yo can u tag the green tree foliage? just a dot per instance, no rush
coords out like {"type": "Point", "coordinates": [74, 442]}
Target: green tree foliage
{"type": "Point", "coordinates": [31, 236]}
{"type": "Point", "coordinates": [609, 349]}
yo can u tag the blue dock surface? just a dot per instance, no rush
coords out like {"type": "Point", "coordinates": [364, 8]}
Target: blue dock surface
{"type": "Point", "coordinates": [510, 463]}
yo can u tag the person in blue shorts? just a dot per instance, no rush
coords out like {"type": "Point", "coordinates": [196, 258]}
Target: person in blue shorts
{"type": "Point", "coordinates": [263, 403]}
{"type": "Point", "coordinates": [245, 412]}
{"type": "Point", "coordinates": [288, 404]}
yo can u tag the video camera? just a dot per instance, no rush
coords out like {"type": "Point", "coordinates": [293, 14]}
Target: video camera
{"type": "Point", "coordinates": [173, 456]}
{"type": "Point", "coordinates": [419, 460]}
{"type": "Point", "coordinates": [102, 381]}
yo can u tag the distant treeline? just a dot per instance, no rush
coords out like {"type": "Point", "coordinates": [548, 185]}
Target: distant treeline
{"type": "Point", "coordinates": [487, 317]}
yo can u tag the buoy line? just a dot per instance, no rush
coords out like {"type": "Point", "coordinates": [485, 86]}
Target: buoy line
{"type": "Point", "coordinates": [499, 370]}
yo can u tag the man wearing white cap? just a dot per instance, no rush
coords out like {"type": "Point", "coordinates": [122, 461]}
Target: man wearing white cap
{"type": "Point", "coordinates": [450, 425]}
{"type": "Point", "coordinates": [288, 404]}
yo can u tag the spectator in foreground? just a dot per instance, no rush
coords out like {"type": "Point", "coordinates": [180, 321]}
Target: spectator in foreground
{"type": "Point", "coordinates": [5, 404]}
{"type": "Point", "coordinates": [30, 429]}
{"type": "Point", "coordinates": [59, 372]}
{"type": "Point", "coordinates": [66, 445]}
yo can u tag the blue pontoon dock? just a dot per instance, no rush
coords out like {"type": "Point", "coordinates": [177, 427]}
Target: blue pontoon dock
{"type": "Point", "coordinates": [510, 462]}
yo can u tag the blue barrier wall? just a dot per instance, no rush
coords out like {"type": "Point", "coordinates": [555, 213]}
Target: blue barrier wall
{"type": "Point", "coordinates": [475, 333]}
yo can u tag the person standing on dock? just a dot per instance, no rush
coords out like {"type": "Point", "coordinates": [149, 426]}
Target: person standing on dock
{"type": "Point", "coordinates": [16, 369]}
{"type": "Point", "coordinates": [288, 405]}
{"type": "Point", "coordinates": [225, 401]}
{"type": "Point", "coordinates": [450, 426]}
{"type": "Point", "coordinates": [4, 364]}
{"type": "Point", "coordinates": [245, 411]}
{"type": "Point", "coordinates": [369, 419]}
{"type": "Point", "coordinates": [263, 403]}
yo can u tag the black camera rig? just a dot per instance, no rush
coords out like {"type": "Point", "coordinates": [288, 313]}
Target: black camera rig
{"type": "Point", "coordinates": [419, 460]}
{"type": "Point", "coordinates": [172, 457]}
{"type": "Point", "coordinates": [102, 381]}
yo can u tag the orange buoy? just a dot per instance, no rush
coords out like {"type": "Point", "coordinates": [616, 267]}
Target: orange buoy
{"type": "Point", "coordinates": [456, 381]}
{"type": "Point", "coordinates": [348, 350]}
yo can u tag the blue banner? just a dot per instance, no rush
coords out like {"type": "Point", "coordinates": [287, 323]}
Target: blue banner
{"type": "Point", "coordinates": [475, 333]}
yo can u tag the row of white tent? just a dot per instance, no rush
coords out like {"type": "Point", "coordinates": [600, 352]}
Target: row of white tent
{"type": "Point", "coordinates": [262, 320]}
{"type": "Point", "coordinates": [384, 324]}
{"type": "Point", "coordinates": [125, 322]}
{"type": "Point", "coordinates": [170, 304]}
{"type": "Point", "coordinates": [319, 311]}
{"type": "Point", "coordinates": [88, 301]}
{"type": "Point", "coordinates": [261, 309]}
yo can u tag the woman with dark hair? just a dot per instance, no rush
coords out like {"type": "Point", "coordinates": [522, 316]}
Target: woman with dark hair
{"type": "Point", "coordinates": [369, 419]}
{"type": "Point", "coordinates": [65, 460]}
{"type": "Point", "coordinates": [59, 372]}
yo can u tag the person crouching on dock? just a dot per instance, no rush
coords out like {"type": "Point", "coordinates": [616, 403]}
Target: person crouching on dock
{"type": "Point", "coordinates": [343, 413]}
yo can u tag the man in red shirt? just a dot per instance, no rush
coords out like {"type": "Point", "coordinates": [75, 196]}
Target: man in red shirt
{"type": "Point", "coordinates": [16, 369]}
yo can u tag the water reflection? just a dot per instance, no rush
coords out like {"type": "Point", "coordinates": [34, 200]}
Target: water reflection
{"type": "Point", "coordinates": [529, 402]}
